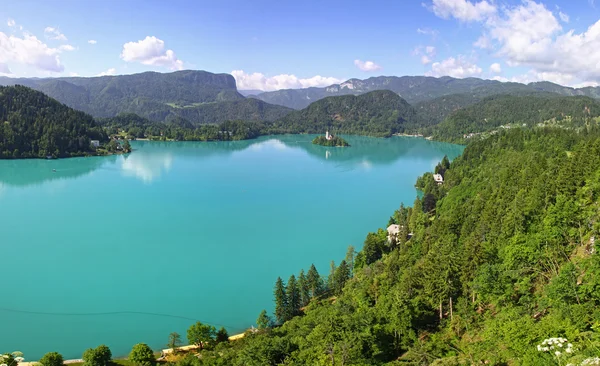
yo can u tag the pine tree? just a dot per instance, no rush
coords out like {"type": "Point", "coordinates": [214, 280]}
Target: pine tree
{"type": "Point", "coordinates": [304, 289]}
{"type": "Point", "coordinates": [342, 274]}
{"type": "Point", "coordinates": [263, 321]}
{"type": "Point", "coordinates": [331, 277]}
{"type": "Point", "coordinates": [281, 304]}
{"type": "Point", "coordinates": [293, 297]}
{"type": "Point", "coordinates": [314, 281]}
{"type": "Point", "coordinates": [350, 254]}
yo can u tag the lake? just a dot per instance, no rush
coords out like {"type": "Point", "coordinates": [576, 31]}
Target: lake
{"type": "Point", "coordinates": [120, 250]}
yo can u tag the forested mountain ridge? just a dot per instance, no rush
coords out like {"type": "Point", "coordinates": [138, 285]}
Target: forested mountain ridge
{"type": "Point", "coordinates": [34, 125]}
{"type": "Point", "coordinates": [198, 96]}
{"type": "Point", "coordinates": [379, 113]}
{"type": "Point", "coordinates": [512, 111]}
{"type": "Point", "coordinates": [494, 266]}
{"type": "Point", "coordinates": [417, 89]}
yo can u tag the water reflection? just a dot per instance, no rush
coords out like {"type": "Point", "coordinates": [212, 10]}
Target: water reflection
{"type": "Point", "coordinates": [22, 173]}
{"type": "Point", "coordinates": [146, 165]}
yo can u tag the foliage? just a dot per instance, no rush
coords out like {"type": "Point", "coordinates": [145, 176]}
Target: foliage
{"type": "Point", "coordinates": [142, 355]}
{"type": "Point", "coordinates": [33, 125]}
{"type": "Point", "coordinates": [379, 113]}
{"type": "Point", "coordinates": [222, 335]}
{"type": "Point", "coordinates": [174, 341]}
{"type": "Point", "coordinates": [335, 141]}
{"type": "Point", "coordinates": [264, 321]}
{"type": "Point", "coordinates": [202, 335]}
{"type": "Point", "coordinates": [511, 111]}
{"type": "Point", "coordinates": [99, 356]}
{"type": "Point", "coordinates": [52, 359]}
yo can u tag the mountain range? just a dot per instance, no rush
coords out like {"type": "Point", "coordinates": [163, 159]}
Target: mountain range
{"type": "Point", "coordinates": [201, 97]}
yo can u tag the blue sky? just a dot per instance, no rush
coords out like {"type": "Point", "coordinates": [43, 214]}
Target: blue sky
{"type": "Point", "coordinates": [271, 45]}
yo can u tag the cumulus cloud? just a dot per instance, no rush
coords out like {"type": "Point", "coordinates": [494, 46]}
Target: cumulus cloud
{"type": "Point", "coordinates": [367, 65]}
{"type": "Point", "coordinates": [530, 35]}
{"type": "Point", "coordinates": [111, 71]}
{"type": "Point", "coordinates": [496, 68]}
{"type": "Point", "coordinates": [54, 33]}
{"type": "Point", "coordinates": [463, 10]}
{"type": "Point", "coordinates": [92, 41]}
{"type": "Point", "coordinates": [260, 81]}
{"type": "Point", "coordinates": [29, 51]}
{"type": "Point", "coordinates": [11, 22]}
{"type": "Point", "coordinates": [151, 51]}
{"type": "Point", "coordinates": [458, 67]}
{"type": "Point", "coordinates": [427, 54]}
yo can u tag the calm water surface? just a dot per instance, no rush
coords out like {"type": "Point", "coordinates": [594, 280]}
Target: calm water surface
{"type": "Point", "coordinates": [126, 249]}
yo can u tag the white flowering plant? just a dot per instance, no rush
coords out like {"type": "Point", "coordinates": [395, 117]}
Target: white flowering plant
{"type": "Point", "coordinates": [11, 359]}
{"type": "Point", "coordinates": [558, 347]}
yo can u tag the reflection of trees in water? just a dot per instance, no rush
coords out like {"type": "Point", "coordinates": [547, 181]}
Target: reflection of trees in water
{"type": "Point", "coordinates": [150, 159]}
{"type": "Point", "coordinates": [374, 151]}
{"type": "Point", "coordinates": [21, 173]}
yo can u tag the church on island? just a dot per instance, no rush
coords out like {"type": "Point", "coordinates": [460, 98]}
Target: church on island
{"type": "Point", "coordinates": [328, 137]}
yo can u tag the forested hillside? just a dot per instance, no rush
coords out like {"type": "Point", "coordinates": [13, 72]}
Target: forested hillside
{"type": "Point", "coordinates": [508, 110]}
{"type": "Point", "coordinates": [379, 113]}
{"type": "Point", "coordinates": [199, 96]}
{"type": "Point", "coordinates": [36, 126]}
{"type": "Point", "coordinates": [495, 266]}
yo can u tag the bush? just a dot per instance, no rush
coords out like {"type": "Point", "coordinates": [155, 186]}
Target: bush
{"type": "Point", "coordinates": [52, 359]}
{"type": "Point", "coordinates": [99, 356]}
{"type": "Point", "coordinates": [142, 355]}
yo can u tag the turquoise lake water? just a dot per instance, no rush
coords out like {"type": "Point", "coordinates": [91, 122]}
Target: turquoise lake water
{"type": "Point", "coordinates": [126, 249]}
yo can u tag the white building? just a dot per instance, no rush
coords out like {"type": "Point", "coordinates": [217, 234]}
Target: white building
{"type": "Point", "coordinates": [95, 143]}
{"type": "Point", "coordinates": [438, 178]}
{"type": "Point", "coordinates": [393, 231]}
{"type": "Point", "coordinates": [328, 136]}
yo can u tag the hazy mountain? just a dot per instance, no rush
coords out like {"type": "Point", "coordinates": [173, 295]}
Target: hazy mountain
{"type": "Point", "coordinates": [416, 89]}
{"type": "Point", "coordinates": [194, 95]}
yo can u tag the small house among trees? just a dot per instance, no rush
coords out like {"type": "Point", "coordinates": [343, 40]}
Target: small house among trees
{"type": "Point", "coordinates": [438, 178]}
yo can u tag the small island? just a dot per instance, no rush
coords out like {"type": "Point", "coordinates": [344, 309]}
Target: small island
{"type": "Point", "coordinates": [330, 140]}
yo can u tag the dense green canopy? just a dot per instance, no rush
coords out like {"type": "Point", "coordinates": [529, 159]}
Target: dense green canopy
{"type": "Point", "coordinates": [34, 125]}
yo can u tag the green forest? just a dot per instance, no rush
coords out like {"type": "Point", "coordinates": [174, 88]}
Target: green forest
{"type": "Point", "coordinates": [36, 126]}
{"type": "Point", "coordinates": [495, 266]}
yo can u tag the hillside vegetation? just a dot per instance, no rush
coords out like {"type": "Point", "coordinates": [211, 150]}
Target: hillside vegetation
{"type": "Point", "coordinates": [199, 96]}
{"type": "Point", "coordinates": [500, 258]}
{"type": "Point", "coordinates": [34, 125]}
{"type": "Point", "coordinates": [507, 110]}
{"type": "Point", "coordinates": [379, 113]}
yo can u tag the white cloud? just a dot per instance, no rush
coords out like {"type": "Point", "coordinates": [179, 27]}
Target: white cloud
{"type": "Point", "coordinates": [428, 32]}
{"type": "Point", "coordinates": [54, 33]}
{"type": "Point", "coordinates": [151, 51]}
{"type": "Point", "coordinates": [530, 35]}
{"type": "Point", "coordinates": [29, 51]}
{"type": "Point", "coordinates": [11, 22]}
{"type": "Point", "coordinates": [496, 68]}
{"type": "Point", "coordinates": [66, 47]}
{"type": "Point", "coordinates": [74, 74]}
{"type": "Point", "coordinates": [458, 67]}
{"type": "Point", "coordinates": [367, 65]}
{"type": "Point", "coordinates": [463, 10]}
{"type": "Point", "coordinates": [111, 71]}
{"type": "Point", "coordinates": [260, 81]}
{"type": "Point", "coordinates": [427, 54]}
{"type": "Point", "coordinates": [483, 42]}
{"type": "Point", "coordinates": [92, 41]}
{"type": "Point", "coordinates": [564, 17]}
